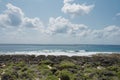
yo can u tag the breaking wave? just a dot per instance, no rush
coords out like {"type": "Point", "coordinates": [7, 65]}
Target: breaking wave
{"type": "Point", "coordinates": [54, 52]}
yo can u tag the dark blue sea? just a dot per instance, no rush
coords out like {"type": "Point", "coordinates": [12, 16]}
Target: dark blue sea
{"type": "Point", "coordinates": [73, 49]}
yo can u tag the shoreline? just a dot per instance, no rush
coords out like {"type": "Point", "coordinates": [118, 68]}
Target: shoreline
{"type": "Point", "coordinates": [70, 54]}
{"type": "Point", "coordinates": [26, 57]}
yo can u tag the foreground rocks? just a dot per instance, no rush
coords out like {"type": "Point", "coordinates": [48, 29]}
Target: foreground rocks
{"type": "Point", "coordinates": [31, 67]}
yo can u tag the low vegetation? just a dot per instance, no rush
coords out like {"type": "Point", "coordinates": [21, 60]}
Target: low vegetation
{"type": "Point", "coordinates": [26, 67]}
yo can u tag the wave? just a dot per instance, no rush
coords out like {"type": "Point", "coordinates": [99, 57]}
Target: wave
{"type": "Point", "coordinates": [55, 52]}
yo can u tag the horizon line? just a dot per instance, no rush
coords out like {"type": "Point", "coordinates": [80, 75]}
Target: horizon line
{"type": "Point", "coordinates": [50, 44]}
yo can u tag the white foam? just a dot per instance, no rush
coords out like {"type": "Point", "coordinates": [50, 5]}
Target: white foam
{"type": "Point", "coordinates": [55, 53]}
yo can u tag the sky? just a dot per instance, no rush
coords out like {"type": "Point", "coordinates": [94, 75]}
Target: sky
{"type": "Point", "coordinates": [60, 22]}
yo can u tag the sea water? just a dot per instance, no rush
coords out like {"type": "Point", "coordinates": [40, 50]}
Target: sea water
{"type": "Point", "coordinates": [57, 49]}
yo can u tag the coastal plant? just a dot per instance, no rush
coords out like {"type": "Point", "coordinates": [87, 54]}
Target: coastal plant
{"type": "Point", "coordinates": [26, 76]}
{"type": "Point", "coordinates": [66, 64]}
{"type": "Point", "coordinates": [54, 70]}
{"type": "Point", "coordinates": [118, 74]}
{"type": "Point", "coordinates": [114, 68]}
{"type": "Point", "coordinates": [45, 72]}
{"type": "Point", "coordinates": [64, 70]}
{"type": "Point", "coordinates": [9, 75]}
{"type": "Point", "coordinates": [21, 64]}
{"type": "Point", "coordinates": [26, 73]}
{"type": "Point", "coordinates": [88, 72]}
{"type": "Point", "coordinates": [43, 66]}
{"type": "Point", "coordinates": [1, 70]}
{"type": "Point", "coordinates": [66, 75]}
{"type": "Point", "coordinates": [47, 62]}
{"type": "Point", "coordinates": [52, 77]}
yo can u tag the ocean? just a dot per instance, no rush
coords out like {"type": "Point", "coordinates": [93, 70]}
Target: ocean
{"type": "Point", "coordinates": [55, 49]}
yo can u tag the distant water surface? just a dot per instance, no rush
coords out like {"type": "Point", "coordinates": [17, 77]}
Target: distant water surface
{"type": "Point", "coordinates": [61, 49]}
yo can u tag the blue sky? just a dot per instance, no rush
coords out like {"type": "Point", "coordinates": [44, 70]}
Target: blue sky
{"type": "Point", "coordinates": [60, 21]}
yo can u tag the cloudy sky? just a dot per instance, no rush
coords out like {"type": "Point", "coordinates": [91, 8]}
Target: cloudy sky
{"type": "Point", "coordinates": [60, 21]}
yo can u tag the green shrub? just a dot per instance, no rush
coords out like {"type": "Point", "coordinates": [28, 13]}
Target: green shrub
{"type": "Point", "coordinates": [45, 72]}
{"type": "Point", "coordinates": [66, 75]}
{"type": "Point", "coordinates": [118, 75]}
{"type": "Point", "coordinates": [67, 64]}
{"type": "Point", "coordinates": [9, 75]}
{"type": "Point", "coordinates": [21, 64]}
{"type": "Point", "coordinates": [89, 70]}
{"type": "Point", "coordinates": [26, 76]}
{"type": "Point", "coordinates": [47, 62]}
{"type": "Point", "coordinates": [52, 77]}
{"type": "Point", "coordinates": [114, 68]}
{"type": "Point", "coordinates": [24, 69]}
{"type": "Point", "coordinates": [43, 66]}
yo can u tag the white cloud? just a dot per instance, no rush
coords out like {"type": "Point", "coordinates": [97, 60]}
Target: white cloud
{"type": "Point", "coordinates": [3, 20]}
{"type": "Point", "coordinates": [76, 9]}
{"type": "Point", "coordinates": [67, 1]}
{"type": "Point", "coordinates": [14, 17]}
{"type": "Point", "coordinates": [118, 14]}
{"type": "Point", "coordinates": [107, 32]}
{"type": "Point", "coordinates": [57, 25]}
{"type": "Point", "coordinates": [34, 23]}
{"type": "Point", "coordinates": [61, 25]}
{"type": "Point", "coordinates": [111, 31]}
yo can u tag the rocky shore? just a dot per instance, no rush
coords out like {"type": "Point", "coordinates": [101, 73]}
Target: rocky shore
{"type": "Point", "coordinates": [31, 67]}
